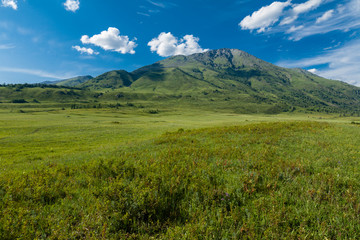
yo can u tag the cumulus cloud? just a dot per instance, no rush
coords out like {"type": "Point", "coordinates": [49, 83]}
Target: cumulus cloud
{"type": "Point", "coordinates": [265, 17]}
{"type": "Point", "coordinates": [83, 50]}
{"type": "Point", "coordinates": [325, 17]}
{"type": "Point", "coordinates": [167, 45]}
{"type": "Point", "coordinates": [341, 63]}
{"type": "Point", "coordinates": [72, 5]}
{"type": "Point", "coordinates": [111, 40]}
{"type": "Point", "coordinates": [10, 3]}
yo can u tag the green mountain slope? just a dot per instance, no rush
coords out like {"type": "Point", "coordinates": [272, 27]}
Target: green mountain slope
{"type": "Point", "coordinates": [113, 79]}
{"type": "Point", "coordinates": [235, 76]}
{"type": "Point", "coordinates": [226, 69]}
{"type": "Point", "coordinates": [30, 93]}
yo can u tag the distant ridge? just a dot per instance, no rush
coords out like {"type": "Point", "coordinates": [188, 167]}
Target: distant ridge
{"type": "Point", "coordinates": [71, 82]}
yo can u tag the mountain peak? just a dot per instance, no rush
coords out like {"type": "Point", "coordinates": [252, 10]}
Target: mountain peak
{"type": "Point", "coordinates": [219, 58]}
{"type": "Point", "coordinates": [225, 51]}
{"type": "Point", "coordinates": [228, 52]}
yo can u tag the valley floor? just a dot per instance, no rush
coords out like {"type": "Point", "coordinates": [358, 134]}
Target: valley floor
{"type": "Point", "coordinates": [175, 174]}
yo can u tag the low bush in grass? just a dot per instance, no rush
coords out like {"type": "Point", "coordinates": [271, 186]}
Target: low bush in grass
{"type": "Point", "coordinates": [19, 101]}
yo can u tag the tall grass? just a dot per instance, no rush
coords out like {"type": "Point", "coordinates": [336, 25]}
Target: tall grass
{"type": "Point", "coordinates": [280, 180]}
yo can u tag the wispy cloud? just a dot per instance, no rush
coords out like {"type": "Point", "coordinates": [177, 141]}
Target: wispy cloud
{"type": "Point", "coordinates": [299, 9]}
{"type": "Point", "coordinates": [326, 16]}
{"type": "Point", "coordinates": [145, 11]}
{"type": "Point", "coordinates": [343, 18]}
{"type": "Point", "coordinates": [7, 46]}
{"type": "Point", "coordinates": [24, 31]}
{"type": "Point", "coordinates": [157, 4]}
{"type": "Point", "coordinates": [341, 63]}
{"type": "Point", "coordinates": [283, 17]}
{"type": "Point", "coordinates": [35, 72]}
{"type": "Point", "coordinates": [143, 14]}
{"type": "Point", "coordinates": [155, 7]}
{"type": "Point", "coordinates": [84, 50]}
{"type": "Point", "coordinates": [9, 26]}
{"type": "Point", "coordinates": [162, 4]}
{"type": "Point", "coordinates": [239, 2]}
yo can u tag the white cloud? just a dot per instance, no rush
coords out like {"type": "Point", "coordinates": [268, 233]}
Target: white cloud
{"type": "Point", "coordinates": [72, 5]}
{"type": "Point", "coordinates": [111, 40]}
{"type": "Point", "coordinates": [265, 17]}
{"type": "Point", "coordinates": [82, 50]}
{"type": "Point", "coordinates": [300, 9]}
{"type": "Point", "coordinates": [344, 18]}
{"type": "Point", "coordinates": [341, 63]}
{"type": "Point", "coordinates": [158, 4]}
{"type": "Point", "coordinates": [162, 4]}
{"type": "Point", "coordinates": [325, 17]}
{"type": "Point", "coordinates": [10, 3]}
{"type": "Point", "coordinates": [167, 45]}
{"type": "Point", "coordinates": [143, 14]}
{"type": "Point", "coordinates": [307, 6]}
{"type": "Point", "coordinates": [294, 29]}
{"type": "Point", "coordinates": [288, 20]}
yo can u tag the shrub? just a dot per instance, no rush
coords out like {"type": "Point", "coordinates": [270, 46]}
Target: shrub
{"type": "Point", "coordinates": [153, 111]}
{"type": "Point", "coordinates": [19, 101]}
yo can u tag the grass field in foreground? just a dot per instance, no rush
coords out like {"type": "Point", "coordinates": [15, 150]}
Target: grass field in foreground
{"type": "Point", "coordinates": [107, 174]}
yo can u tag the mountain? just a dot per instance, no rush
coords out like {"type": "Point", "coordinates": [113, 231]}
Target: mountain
{"type": "Point", "coordinates": [71, 82]}
{"type": "Point", "coordinates": [236, 76]}
{"type": "Point", "coordinates": [224, 79]}
{"type": "Point", "coordinates": [113, 79]}
{"type": "Point", "coordinates": [225, 69]}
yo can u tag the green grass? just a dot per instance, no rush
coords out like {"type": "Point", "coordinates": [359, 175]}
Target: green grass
{"type": "Point", "coordinates": [128, 174]}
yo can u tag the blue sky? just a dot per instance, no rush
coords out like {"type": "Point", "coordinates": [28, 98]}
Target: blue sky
{"type": "Point", "coordinates": [49, 40]}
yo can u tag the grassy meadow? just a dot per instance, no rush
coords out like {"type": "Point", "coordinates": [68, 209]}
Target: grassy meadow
{"type": "Point", "coordinates": [134, 173]}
